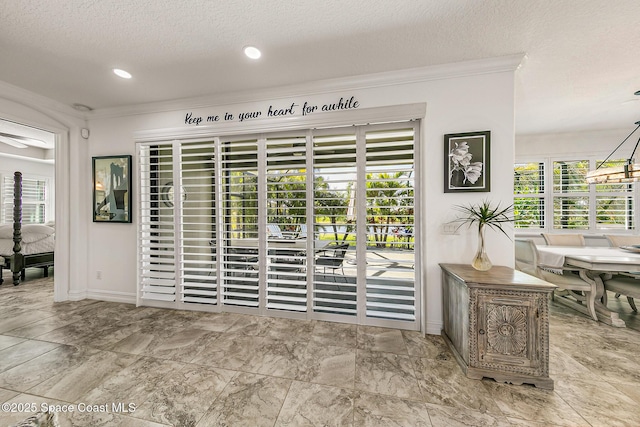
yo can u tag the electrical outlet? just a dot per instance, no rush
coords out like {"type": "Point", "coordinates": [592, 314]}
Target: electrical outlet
{"type": "Point", "coordinates": [449, 228]}
{"type": "Point", "coordinates": [99, 275]}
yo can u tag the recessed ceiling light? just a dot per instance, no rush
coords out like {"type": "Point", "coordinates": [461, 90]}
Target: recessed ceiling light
{"type": "Point", "coordinates": [121, 73]}
{"type": "Point", "coordinates": [252, 52]}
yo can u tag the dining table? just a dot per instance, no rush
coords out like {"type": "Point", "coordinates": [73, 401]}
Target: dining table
{"type": "Point", "coordinates": [594, 264]}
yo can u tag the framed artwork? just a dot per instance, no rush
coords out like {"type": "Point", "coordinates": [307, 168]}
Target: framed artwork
{"type": "Point", "coordinates": [112, 189]}
{"type": "Point", "coordinates": [467, 162]}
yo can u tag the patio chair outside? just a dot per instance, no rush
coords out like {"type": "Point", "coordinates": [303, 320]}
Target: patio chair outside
{"type": "Point", "coordinates": [333, 259]}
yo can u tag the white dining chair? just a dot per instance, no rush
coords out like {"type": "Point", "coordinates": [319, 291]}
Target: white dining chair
{"type": "Point", "coordinates": [526, 261]}
{"type": "Point", "coordinates": [616, 240]}
{"type": "Point", "coordinates": [623, 284]}
{"type": "Point", "coordinates": [563, 239]}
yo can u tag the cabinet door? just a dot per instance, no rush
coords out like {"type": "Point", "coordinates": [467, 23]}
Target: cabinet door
{"type": "Point", "coordinates": [507, 330]}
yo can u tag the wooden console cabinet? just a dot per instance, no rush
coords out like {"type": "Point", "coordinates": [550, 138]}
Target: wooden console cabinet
{"type": "Point", "coordinates": [496, 323]}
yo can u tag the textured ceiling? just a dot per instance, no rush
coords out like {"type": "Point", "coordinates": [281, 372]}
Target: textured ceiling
{"type": "Point", "coordinates": [579, 71]}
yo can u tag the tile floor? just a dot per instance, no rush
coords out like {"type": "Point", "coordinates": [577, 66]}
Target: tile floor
{"type": "Point", "coordinates": [185, 368]}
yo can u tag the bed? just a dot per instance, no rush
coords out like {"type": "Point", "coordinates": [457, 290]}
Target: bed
{"type": "Point", "coordinates": [25, 246]}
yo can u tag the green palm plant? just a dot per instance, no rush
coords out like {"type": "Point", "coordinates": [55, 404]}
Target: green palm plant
{"type": "Point", "coordinates": [484, 214]}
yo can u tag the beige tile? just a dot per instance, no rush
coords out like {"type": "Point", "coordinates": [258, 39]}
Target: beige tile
{"type": "Point", "coordinates": [133, 384]}
{"type": "Point", "coordinates": [381, 339]}
{"type": "Point", "coordinates": [183, 345]}
{"type": "Point", "coordinates": [316, 405]}
{"type": "Point", "coordinates": [7, 394]}
{"type": "Point", "coordinates": [20, 319]}
{"type": "Point", "coordinates": [443, 416]}
{"type": "Point", "coordinates": [229, 351]}
{"type": "Point", "coordinates": [41, 327]}
{"type": "Point", "coordinates": [184, 396]}
{"type": "Point", "coordinates": [7, 341]}
{"type": "Point", "coordinates": [374, 410]}
{"type": "Point", "coordinates": [442, 382]}
{"type": "Point", "coordinates": [277, 358]}
{"type": "Point", "coordinates": [248, 400]}
{"type": "Point", "coordinates": [330, 365]}
{"type": "Point", "coordinates": [76, 381]}
{"type": "Point", "coordinates": [429, 346]}
{"type": "Point", "coordinates": [533, 404]}
{"type": "Point", "coordinates": [23, 352]}
{"type": "Point", "coordinates": [334, 334]}
{"type": "Point", "coordinates": [28, 374]}
{"type": "Point", "coordinates": [286, 329]}
{"type": "Point", "coordinates": [386, 373]}
{"type": "Point", "coordinates": [601, 404]}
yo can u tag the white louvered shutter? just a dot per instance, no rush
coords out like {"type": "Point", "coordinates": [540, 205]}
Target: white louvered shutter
{"type": "Point", "coordinates": [615, 203]}
{"type": "Point", "coordinates": [198, 236]}
{"type": "Point", "coordinates": [390, 182]}
{"type": "Point", "coordinates": [156, 224]}
{"type": "Point", "coordinates": [570, 195]}
{"type": "Point", "coordinates": [239, 246]}
{"type": "Point", "coordinates": [286, 219]}
{"type": "Point", "coordinates": [334, 175]}
{"type": "Point", "coordinates": [529, 192]}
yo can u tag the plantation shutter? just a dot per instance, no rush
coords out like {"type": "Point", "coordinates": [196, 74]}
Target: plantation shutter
{"type": "Point", "coordinates": [614, 203]}
{"type": "Point", "coordinates": [570, 195]}
{"type": "Point", "coordinates": [198, 237]}
{"type": "Point", "coordinates": [156, 226]}
{"type": "Point", "coordinates": [240, 273]}
{"type": "Point", "coordinates": [286, 213]}
{"type": "Point", "coordinates": [529, 206]}
{"type": "Point", "coordinates": [34, 198]}
{"type": "Point", "coordinates": [334, 175]}
{"type": "Point", "coordinates": [390, 182]}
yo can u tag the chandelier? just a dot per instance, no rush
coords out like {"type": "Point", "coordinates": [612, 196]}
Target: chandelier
{"type": "Point", "coordinates": [627, 172]}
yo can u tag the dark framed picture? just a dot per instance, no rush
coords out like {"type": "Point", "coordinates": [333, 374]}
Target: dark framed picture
{"type": "Point", "coordinates": [467, 162]}
{"type": "Point", "coordinates": [112, 189]}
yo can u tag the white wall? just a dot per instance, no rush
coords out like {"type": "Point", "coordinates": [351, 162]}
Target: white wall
{"type": "Point", "coordinates": [474, 96]}
{"type": "Point", "coordinates": [473, 102]}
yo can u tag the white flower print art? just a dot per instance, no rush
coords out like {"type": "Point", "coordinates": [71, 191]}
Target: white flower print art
{"type": "Point", "coordinates": [466, 162]}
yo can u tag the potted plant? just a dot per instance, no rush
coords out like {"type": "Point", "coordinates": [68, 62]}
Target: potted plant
{"type": "Point", "coordinates": [484, 215]}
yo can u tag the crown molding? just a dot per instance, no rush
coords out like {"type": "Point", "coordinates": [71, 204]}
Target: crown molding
{"type": "Point", "coordinates": [31, 99]}
{"type": "Point", "coordinates": [391, 78]}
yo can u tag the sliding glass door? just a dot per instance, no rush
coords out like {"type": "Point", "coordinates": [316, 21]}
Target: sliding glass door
{"type": "Point", "coordinates": [316, 224]}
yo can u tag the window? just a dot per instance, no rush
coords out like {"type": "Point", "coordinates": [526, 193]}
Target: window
{"type": "Point", "coordinates": [529, 206]}
{"type": "Point", "coordinates": [565, 197]}
{"type": "Point", "coordinates": [34, 200]}
{"type": "Point", "coordinates": [570, 195]}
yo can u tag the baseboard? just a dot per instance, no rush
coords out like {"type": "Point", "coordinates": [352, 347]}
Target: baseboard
{"type": "Point", "coordinates": [434, 328]}
{"type": "Point", "coordinates": [111, 296]}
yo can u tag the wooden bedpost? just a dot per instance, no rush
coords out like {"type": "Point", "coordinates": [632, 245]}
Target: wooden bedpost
{"type": "Point", "coordinates": [17, 263]}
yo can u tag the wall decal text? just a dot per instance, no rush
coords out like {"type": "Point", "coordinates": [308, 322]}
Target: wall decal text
{"type": "Point", "coordinates": [292, 109]}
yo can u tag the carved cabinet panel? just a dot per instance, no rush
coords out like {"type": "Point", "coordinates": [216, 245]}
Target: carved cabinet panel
{"type": "Point", "coordinates": [497, 323]}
